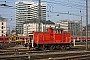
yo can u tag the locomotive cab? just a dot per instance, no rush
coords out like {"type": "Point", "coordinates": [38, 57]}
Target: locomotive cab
{"type": "Point", "coordinates": [58, 30]}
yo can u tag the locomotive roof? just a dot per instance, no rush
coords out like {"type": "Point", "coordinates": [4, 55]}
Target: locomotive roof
{"type": "Point", "coordinates": [59, 28]}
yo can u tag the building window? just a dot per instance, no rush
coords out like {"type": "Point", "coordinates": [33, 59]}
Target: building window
{"type": "Point", "coordinates": [2, 23]}
{"type": "Point", "coordinates": [2, 31]}
{"type": "Point", "coordinates": [2, 27]}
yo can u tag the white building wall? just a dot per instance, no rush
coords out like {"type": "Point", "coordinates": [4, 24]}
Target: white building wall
{"type": "Point", "coordinates": [29, 28]}
{"type": "Point", "coordinates": [2, 28]}
{"type": "Point", "coordinates": [68, 25]}
{"type": "Point", "coordinates": [34, 27]}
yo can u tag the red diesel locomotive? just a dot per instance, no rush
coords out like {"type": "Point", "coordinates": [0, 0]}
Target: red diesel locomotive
{"type": "Point", "coordinates": [52, 39]}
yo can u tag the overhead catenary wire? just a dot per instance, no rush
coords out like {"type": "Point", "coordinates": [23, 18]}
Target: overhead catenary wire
{"type": "Point", "coordinates": [79, 5]}
{"type": "Point", "coordinates": [67, 13]}
{"type": "Point", "coordinates": [74, 4]}
{"type": "Point", "coordinates": [71, 6]}
{"type": "Point", "coordinates": [73, 1]}
{"type": "Point", "coordinates": [66, 4]}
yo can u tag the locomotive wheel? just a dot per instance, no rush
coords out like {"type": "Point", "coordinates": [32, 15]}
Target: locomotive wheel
{"type": "Point", "coordinates": [42, 47]}
{"type": "Point", "coordinates": [63, 47]}
{"type": "Point", "coordinates": [57, 47]}
{"type": "Point", "coordinates": [52, 47]}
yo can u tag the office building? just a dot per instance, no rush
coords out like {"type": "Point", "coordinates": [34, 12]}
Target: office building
{"type": "Point", "coordinates": [33, 26]}
{"type": "Point", "coordinates": [73, 26]}
{"type": "Point", "coordinates": [2, 26]}
{"type": "Point", "coordinates": [26, 11]}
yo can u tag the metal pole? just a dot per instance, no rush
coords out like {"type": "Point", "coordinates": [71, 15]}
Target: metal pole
{"type": "Point", "coordinates": [86, 24]}
{"type": "Point", "coordinates": [21, 31]}
{"type": "Point", "coordinates": [81, 24]}
{"type": "Point", "coordinates": [39, 14]}
{"type": "Point", "coordinates": [27, 28]}
{"type": "Point", "coordinates": [9, 31]}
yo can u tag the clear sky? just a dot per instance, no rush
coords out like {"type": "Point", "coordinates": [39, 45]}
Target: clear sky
{"type": "Point", "coordinates": [55, 10]}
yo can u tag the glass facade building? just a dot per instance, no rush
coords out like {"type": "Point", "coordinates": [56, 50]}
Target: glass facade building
{"type": "Point", "coordinates": [26, 11]}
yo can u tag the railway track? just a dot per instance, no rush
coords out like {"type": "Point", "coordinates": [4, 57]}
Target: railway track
{"type": "Point", "coordinates": [67, 56]}
{"type": "Point", "coordinates": [75, 57]}
{"type": "Point", "coordinates": [50, 55]}
{"type": "Point", "coordinates": [21, 51]}
{"type": "Point", "coordinates": [24, 53]}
